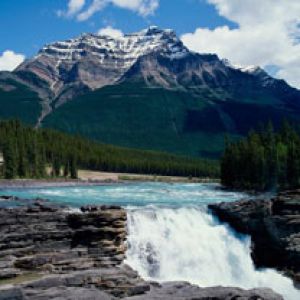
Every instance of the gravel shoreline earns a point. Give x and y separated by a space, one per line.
32 183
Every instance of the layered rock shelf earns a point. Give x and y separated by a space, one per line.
41 237
274 226
52 252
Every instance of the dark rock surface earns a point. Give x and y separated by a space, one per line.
50 252
274 226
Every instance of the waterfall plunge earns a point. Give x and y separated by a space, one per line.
170 244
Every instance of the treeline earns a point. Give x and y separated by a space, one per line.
31 153
264 160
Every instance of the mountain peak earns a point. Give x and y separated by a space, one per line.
92 61
155 30
106 59
131 45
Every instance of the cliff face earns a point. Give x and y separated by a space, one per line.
274 226
50 252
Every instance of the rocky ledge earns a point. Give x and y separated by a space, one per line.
274 226
51 252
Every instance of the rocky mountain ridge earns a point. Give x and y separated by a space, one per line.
92 61
66 69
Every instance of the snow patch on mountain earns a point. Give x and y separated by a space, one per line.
127 48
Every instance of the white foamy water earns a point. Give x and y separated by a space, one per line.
167 244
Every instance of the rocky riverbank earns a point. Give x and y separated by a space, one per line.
52 252
274 226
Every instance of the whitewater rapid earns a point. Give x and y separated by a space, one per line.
188 244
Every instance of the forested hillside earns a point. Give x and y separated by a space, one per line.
264 160
18 101
28 151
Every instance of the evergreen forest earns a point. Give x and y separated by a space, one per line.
264 160
39 153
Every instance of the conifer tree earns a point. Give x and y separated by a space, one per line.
10 159
73 167
66 169
56 166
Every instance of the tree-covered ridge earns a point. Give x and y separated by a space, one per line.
264 160
28 152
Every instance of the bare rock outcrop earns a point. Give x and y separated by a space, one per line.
47 238
274 226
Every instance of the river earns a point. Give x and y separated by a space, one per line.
173 236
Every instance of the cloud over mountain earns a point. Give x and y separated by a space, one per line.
267 34
110 31
9 60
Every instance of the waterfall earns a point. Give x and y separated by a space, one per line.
188 244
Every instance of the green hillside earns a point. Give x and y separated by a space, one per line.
18 102
133 115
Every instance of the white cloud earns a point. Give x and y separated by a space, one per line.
268 34
10 60
110 31
96 6
143 7
75 7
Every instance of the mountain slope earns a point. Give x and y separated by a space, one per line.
18 101
133 114
147 90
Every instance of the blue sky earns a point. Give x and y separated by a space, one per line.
247 32
30 24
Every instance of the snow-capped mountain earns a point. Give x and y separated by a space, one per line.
94 60
70 68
